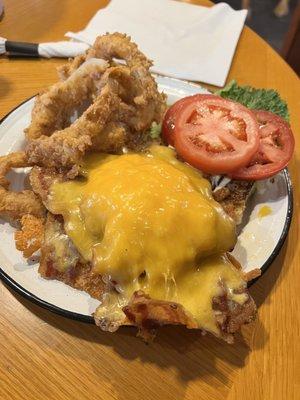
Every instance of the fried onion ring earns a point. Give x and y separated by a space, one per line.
108 47
53 109
65 148
128 102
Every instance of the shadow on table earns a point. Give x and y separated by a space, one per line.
192 355
187 352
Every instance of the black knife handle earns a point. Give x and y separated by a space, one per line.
22 48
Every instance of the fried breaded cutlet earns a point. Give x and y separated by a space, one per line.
143 312
147 314
234 197
121 102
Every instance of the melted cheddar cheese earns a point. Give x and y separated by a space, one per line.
264 211
148 221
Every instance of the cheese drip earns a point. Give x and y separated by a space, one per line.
148 221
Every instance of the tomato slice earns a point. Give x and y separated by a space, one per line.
168 125
215 135
275 150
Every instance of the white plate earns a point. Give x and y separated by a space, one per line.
258 244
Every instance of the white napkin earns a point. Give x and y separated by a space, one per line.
185 41
61 49
51 49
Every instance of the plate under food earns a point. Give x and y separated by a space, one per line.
265 224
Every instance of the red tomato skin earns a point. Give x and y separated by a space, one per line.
216 164
168 125
258 171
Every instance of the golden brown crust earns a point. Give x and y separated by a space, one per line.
247 276
128 100
41 179
53 108
253 274
64 263
233 198
79 276
66 147
13 205
30 238
57 252
231 315
108 47
12 160
148 314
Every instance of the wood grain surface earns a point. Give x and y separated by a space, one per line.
45 356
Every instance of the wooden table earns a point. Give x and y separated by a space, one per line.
45 356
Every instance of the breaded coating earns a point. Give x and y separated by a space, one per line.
253 274
30 238
233 198
128 102
148 314
13 205
41 179
60 260
12 160
57 252
65 148
54 107
116 45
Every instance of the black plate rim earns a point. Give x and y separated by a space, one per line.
89 319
